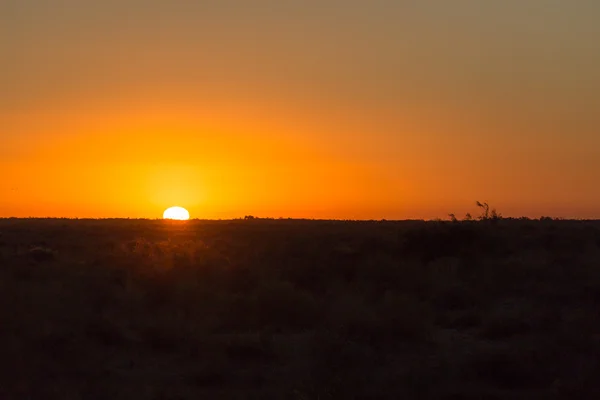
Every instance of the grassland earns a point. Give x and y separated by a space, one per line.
135 309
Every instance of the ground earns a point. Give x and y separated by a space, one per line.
136 309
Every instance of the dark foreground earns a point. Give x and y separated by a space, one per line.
299 310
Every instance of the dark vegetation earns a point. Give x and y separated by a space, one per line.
128 309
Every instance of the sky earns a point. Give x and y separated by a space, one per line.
310 109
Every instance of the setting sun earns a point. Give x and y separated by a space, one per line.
177 213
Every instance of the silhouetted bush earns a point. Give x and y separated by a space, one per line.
42 254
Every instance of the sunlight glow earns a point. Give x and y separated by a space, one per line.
177 213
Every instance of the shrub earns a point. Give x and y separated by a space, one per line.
42 254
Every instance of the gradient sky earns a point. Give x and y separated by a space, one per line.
320 109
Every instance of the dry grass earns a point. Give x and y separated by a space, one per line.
299 309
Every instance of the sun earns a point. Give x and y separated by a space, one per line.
178 213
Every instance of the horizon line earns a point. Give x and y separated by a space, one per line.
522 218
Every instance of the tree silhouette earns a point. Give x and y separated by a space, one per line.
486 213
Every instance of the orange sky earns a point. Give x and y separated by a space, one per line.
318 110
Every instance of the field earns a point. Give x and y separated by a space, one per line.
289 309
